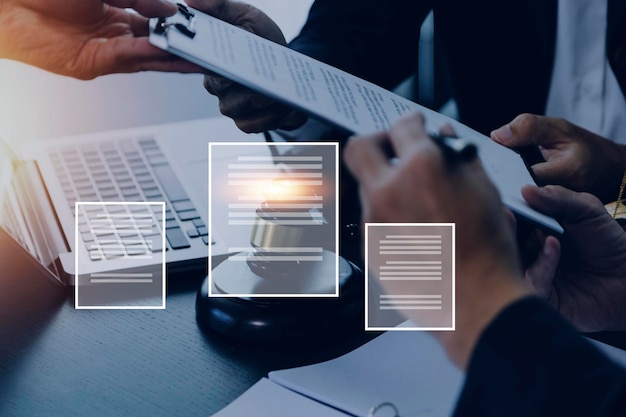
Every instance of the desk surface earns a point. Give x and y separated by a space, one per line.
58 361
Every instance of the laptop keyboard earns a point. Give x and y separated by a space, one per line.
127 171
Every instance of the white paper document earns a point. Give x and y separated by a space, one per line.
407 369
325 92
267 399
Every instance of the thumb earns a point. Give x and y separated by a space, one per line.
525 130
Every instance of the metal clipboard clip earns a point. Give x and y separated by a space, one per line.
184 21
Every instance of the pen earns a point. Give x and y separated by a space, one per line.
455 149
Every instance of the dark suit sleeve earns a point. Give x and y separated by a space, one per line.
530 362
372 39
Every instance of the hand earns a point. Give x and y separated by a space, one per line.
574 157
85 38
251 111
420 187
588 286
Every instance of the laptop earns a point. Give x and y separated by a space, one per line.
41 184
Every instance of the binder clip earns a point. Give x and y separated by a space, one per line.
184 22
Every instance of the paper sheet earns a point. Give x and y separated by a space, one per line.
408 369
267 399
332 95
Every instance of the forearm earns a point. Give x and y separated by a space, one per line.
529 361
363 36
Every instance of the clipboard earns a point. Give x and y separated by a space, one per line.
326 92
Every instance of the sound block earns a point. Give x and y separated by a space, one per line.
261 319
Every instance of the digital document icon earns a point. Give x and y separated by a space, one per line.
409 274
122 263
282 197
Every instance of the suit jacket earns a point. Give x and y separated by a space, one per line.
499 57
498 54
530 362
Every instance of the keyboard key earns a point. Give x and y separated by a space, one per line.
102 233
188 215
126 183
95 255
131 195
116 209
146 183
113 197
205 240
129 149
82 183
183 205
143 175
153 152
157 160
154 196
107 189
172 187
147 142
121 176
192 233
148 230
198 223
88 237
88 196
84 188
135 250
170 224
176 238
140 211
150 190
203 231
105 185
155 243
112 251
